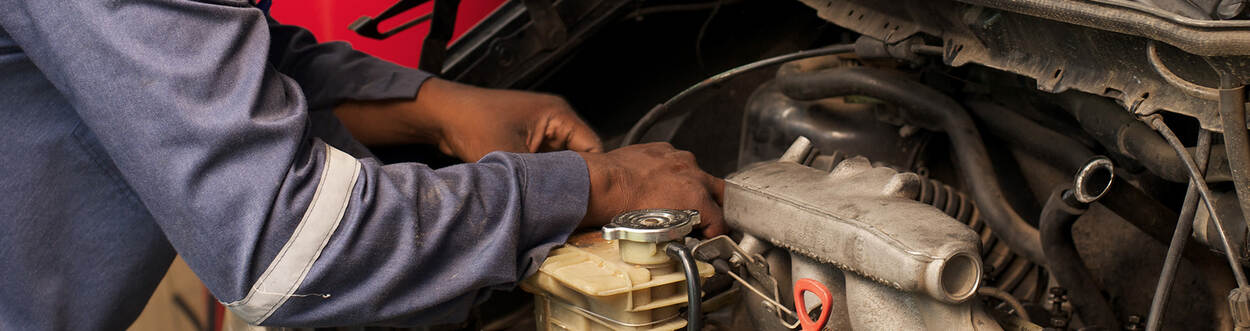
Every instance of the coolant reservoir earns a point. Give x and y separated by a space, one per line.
628 283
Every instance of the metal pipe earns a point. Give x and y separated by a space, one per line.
635 133
1156 122
1060 212
1184 226
1093 180
1236 139
933 110
694 295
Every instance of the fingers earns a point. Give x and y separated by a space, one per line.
585 140
571 134
716 187
657 175
712 218
714 198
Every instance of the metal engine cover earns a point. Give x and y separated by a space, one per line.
859 218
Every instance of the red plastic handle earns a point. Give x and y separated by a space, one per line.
826 302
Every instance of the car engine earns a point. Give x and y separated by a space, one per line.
971 165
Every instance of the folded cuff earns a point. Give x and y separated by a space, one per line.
556 192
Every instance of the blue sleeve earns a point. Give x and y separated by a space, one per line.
332 72
283 228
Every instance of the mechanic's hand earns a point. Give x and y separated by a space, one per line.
469 122
478 121
652 176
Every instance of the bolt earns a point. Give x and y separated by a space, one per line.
1134 323
1058 317
1059 322
990 20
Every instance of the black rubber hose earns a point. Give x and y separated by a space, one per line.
1058 215
1129 202
655 114
1137 207
1236 139
694 295
1119 131
928 108
1057 149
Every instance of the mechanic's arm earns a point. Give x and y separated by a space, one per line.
284 228
375 100
331 73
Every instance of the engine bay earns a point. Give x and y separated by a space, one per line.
973 165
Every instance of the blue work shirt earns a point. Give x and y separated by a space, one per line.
136 129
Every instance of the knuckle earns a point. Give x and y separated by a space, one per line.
553 99
686 156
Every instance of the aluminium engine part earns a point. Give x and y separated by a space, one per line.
839 128
923 106
1004 269
863 304
859 218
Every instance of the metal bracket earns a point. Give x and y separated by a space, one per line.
434 48
368 26
550 27
721 247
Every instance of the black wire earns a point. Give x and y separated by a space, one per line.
640 13
694 295
698 40
652 116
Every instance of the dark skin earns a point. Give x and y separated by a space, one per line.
469 122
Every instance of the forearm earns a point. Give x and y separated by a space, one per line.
419 120
386 122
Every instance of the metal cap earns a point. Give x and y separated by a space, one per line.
651 225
